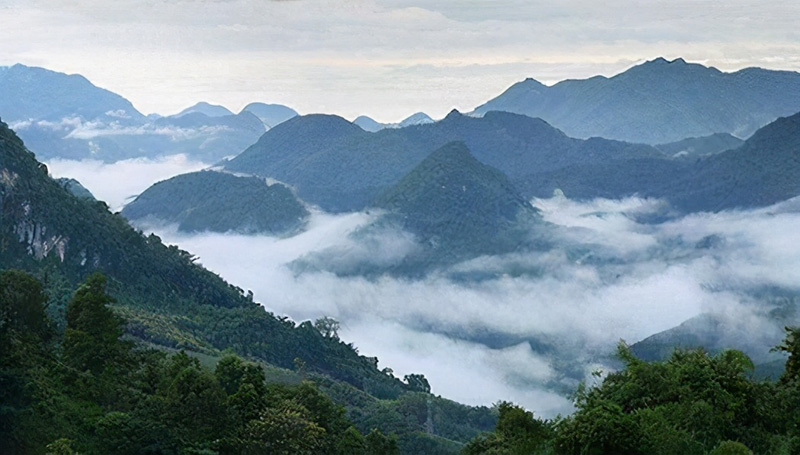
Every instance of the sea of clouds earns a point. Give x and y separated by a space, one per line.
537 322
525 326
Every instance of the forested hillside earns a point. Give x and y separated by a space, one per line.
169 302
691 403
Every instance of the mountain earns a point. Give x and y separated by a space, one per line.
340 167
270 114
31 93
420 118
457 206
219 202
762 171
657 102
368 124
698 147
718 332
65 116
164 295
447 209
171 303
211 110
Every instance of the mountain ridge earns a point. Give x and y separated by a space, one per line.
657 101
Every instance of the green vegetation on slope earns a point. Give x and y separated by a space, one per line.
166 298
170 303
219 202
99 395
458 207
691 403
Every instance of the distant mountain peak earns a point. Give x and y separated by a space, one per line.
657 101
211 110
454 114
457 205
368 124
270 115
419 118
532 82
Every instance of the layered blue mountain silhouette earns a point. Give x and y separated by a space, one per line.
340 167
368 124
66 116
657 102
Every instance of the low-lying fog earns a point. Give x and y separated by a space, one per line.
612 275
117 183
610 278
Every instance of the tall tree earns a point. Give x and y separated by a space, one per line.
92 339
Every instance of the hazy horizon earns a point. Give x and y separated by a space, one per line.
385 59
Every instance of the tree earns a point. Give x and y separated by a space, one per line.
351 443
91 341
417 383
23 330
328 327
517 432
731 448
791 345
380 444
286 430
22 304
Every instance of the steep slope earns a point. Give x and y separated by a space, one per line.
763 171
170 302
458 206
698 147
270 114
211 110
166 298
449 208
339 166
657 102
75 187
219 202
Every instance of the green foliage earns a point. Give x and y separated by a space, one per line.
686 404
165 298
91 341
517 432
791 345
61 446
220 202
417 382
378 443
351 443
731 448
83 401
693 403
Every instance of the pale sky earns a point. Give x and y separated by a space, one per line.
383 58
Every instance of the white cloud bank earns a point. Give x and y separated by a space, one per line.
609 277
116 183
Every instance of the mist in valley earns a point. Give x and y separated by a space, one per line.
526 326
